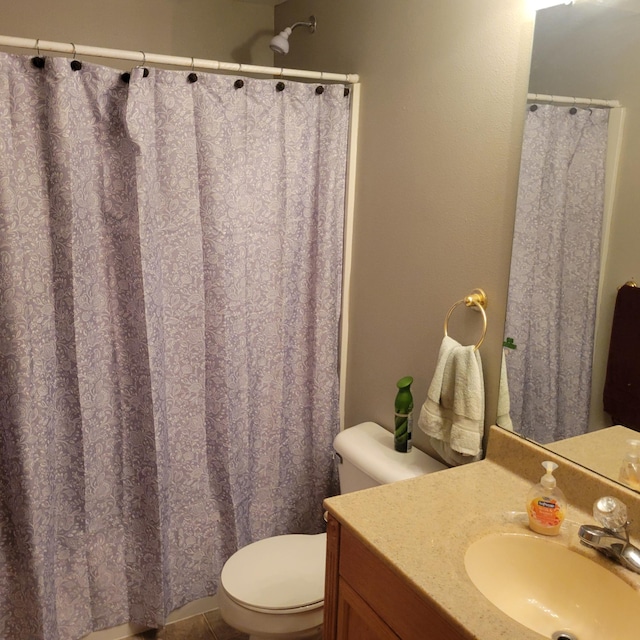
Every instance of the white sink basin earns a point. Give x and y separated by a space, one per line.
549 588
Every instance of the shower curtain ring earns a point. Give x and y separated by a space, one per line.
144 58
38 47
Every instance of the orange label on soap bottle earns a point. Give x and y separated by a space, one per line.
546 511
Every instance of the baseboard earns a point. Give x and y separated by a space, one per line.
197 607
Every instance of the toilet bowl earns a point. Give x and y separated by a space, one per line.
274 588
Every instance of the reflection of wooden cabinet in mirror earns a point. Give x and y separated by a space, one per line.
367 600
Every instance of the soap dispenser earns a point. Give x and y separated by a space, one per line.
546 504
630 469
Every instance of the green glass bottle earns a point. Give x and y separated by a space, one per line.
404 415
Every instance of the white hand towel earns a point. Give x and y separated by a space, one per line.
433 416
453 413
504 403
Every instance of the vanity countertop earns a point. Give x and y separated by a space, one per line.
602 451
422 527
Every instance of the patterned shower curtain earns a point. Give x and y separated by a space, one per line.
170 270
555 266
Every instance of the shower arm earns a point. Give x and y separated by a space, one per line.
311 23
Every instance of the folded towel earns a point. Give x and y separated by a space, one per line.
504 403
453 413
622 385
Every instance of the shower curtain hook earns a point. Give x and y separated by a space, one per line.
76 65
143 66
37 60
574 108
193 76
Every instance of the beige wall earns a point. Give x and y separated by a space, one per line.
444 85
217 29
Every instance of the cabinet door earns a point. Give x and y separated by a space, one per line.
357 620
391 597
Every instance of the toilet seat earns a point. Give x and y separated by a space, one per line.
282 574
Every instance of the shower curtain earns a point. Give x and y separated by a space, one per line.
170 274
555 267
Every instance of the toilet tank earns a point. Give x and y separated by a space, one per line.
367 458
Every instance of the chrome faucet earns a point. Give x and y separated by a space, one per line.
611 539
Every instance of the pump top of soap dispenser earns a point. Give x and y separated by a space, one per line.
633 453
630 469
548 480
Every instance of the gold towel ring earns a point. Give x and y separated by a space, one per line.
477 299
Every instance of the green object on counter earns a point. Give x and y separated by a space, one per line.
403 415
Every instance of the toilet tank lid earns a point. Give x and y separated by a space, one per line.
369 447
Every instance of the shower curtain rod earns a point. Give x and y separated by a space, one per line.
157 58
583 102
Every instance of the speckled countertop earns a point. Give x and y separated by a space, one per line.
602 451
423 526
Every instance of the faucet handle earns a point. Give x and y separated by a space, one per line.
611 513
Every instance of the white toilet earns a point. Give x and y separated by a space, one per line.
274 588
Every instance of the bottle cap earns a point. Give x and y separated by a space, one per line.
404 382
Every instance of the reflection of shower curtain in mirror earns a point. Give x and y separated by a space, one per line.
555 267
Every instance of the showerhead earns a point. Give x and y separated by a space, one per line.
280 43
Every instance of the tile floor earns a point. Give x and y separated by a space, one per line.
208 626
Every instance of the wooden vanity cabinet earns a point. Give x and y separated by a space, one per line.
366 600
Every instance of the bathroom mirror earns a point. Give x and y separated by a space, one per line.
591 49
